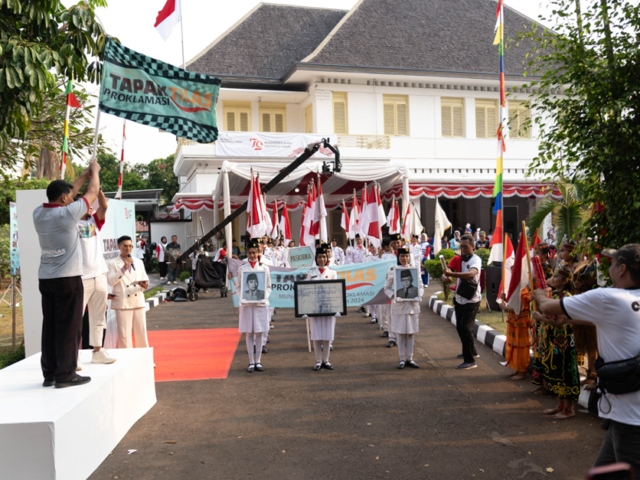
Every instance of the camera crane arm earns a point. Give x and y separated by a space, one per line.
285 172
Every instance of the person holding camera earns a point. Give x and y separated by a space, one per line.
467 300
129 280
615 312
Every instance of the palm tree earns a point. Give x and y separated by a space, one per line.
568 211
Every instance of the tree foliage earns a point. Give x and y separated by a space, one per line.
159 174
591 132
36 38
8 194
110 174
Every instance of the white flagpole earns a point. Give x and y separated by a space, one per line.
95 137
184 65
119 192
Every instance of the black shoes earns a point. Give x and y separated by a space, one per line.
317 366
259 367
74 382
475 355
412 364
385 334
367 315
327 365
374 320
391 343
361 309
401 365
49 382
264 349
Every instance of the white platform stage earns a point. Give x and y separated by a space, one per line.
66 433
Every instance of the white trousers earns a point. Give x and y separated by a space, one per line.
133 319
95 295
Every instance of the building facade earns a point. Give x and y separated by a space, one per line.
411 84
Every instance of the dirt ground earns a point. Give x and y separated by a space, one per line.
364 420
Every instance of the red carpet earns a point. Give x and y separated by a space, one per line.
193 354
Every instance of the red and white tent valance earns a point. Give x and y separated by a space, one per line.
472 190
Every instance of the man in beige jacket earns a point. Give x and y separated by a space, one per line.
129 281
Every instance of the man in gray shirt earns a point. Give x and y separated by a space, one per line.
60 276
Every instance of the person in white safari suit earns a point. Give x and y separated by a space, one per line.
129 281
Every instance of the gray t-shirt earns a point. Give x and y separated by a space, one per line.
56 225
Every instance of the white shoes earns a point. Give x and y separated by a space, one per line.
102 356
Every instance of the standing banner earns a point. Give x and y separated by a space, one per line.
14 251
119 220
148 91
365 283
260 144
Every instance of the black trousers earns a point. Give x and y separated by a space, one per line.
465 320
621 444
61 326
162 269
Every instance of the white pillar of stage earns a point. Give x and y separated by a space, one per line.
227 211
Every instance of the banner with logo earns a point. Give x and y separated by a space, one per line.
365 283
260 144
300 257
14 251
120 220
148 91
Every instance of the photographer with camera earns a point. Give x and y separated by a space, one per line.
616 314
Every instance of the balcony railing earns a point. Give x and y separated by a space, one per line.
185 141
369 142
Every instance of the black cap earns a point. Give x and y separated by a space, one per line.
357 235
321 251
254 243
404 251
628 255
386 241
395 237
252 276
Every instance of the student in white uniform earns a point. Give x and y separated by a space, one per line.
264 260
385 310
337 253
405 316
322 328
416 251
356 253
254 317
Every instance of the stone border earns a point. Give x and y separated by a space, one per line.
155 300
488 336
484 334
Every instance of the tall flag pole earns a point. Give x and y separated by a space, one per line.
499 238
124 137
72 102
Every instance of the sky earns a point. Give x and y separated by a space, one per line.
132 22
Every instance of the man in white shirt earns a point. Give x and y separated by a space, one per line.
337 252
94 278
356 253
60 276
139 246
466 308
616 314
129 281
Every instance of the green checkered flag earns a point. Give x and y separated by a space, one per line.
148 91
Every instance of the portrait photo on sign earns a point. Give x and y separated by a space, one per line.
320 298
406 284
253 287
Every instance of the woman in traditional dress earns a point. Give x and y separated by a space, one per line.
254 317
518 335
322 328
560 367
405 316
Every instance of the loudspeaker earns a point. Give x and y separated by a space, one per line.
510 219
493 277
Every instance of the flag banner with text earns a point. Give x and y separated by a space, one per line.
148 91
365 283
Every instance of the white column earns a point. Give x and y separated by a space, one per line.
405 195
227 211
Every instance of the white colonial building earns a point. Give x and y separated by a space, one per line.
407 89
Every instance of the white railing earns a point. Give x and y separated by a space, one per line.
369 142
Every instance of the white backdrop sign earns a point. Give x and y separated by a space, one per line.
120 220
260 144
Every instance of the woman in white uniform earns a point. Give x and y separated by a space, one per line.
322 328
405 316
254 317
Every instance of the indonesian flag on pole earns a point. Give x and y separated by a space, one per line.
407 227
519 276
268 226
311 220
355 218
285 226
345 223
382 218
323 215
167 18
255 223
393 220
373 223
496 240
507 270
442 224
363 221
416 224
302 235
535 241
274 231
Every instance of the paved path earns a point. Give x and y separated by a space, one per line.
364 420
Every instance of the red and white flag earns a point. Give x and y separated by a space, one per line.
507 269
302 234
323 215
274 230
373 223
285 226
535 241
407 226
519 276
124 137
168 18
355 218
382 218
255 223
345 222
496 241
310 223
393 220
363 223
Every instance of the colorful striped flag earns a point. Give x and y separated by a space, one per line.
72 102
124 137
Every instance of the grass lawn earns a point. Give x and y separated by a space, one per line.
5 326
491 319
152 292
